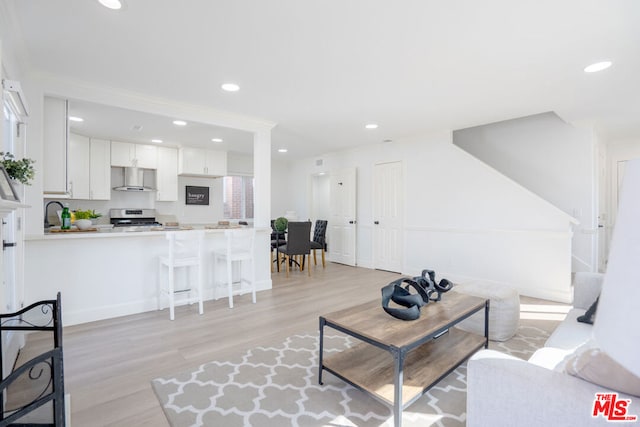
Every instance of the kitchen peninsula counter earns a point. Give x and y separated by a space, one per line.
125 232
103 275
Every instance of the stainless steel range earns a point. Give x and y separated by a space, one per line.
133 218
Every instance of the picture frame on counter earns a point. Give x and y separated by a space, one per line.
195 195
7 191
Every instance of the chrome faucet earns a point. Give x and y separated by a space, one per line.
46 210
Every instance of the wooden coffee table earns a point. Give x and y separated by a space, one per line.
398 361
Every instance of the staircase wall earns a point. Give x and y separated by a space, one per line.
551 158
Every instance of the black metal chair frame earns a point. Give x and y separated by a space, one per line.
277 239
34 368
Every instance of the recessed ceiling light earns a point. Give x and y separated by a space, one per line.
371 126
76 119
157 141
598 66
230 87
111 4
179 123
282 150
216 139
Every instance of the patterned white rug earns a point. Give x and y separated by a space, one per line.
278 386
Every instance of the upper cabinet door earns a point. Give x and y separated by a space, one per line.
122 154
79 179
100 169
89 168
125 154
146 156
191 161
201 162
216 163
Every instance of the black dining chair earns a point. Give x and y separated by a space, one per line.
319 240
298 243
275 235
277 239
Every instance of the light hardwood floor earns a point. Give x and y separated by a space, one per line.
109 364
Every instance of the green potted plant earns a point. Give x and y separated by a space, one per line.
19 170
281 224
84 218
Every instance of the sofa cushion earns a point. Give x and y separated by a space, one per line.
570 334
550 358
594 365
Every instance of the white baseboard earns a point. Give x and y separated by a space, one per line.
67 409
134 307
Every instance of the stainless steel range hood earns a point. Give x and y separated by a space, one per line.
133 181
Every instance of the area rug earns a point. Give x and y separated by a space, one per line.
278 386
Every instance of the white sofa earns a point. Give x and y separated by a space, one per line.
506 391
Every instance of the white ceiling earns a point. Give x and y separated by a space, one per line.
321 70
121 124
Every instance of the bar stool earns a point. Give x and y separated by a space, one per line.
239 247
185 250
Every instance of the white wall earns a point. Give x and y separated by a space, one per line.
191 214
283 195
320 190
239 164
551 158
462 218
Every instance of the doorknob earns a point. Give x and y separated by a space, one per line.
6 244
352 222
376 222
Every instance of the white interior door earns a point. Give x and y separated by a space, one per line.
603 215
342 223
13 141
387 217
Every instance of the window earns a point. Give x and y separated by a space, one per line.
238 197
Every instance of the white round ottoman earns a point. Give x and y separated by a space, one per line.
504 309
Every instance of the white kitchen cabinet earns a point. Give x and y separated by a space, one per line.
79 176
89 168
55 146
202 162
99 169
167 175
126 154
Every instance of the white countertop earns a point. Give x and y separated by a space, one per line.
123 232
